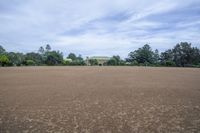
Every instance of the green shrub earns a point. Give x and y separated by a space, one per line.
4 60
30 63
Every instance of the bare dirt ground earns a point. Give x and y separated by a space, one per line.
99 100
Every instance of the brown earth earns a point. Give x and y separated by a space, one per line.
99 100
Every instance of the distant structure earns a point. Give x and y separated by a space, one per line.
68 60
102 60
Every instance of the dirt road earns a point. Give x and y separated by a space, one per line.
99 99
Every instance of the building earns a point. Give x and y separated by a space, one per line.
101 60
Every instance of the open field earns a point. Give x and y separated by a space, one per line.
99 99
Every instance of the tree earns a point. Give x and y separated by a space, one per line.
35 57
156 57
167 58
41 50
79 57
76 61
72 56
16 59
2 50
119 61
142 55
112 62
67 61
79 60
182 54
30 63
4 60
195 56
93 62
48 48
167 55
115 60
54 58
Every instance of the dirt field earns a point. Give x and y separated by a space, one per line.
99 99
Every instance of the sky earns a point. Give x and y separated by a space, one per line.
98 27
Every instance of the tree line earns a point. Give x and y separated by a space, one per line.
181 55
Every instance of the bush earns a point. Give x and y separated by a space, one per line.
4 60
93 62
170 63
30 63
134 63
112 62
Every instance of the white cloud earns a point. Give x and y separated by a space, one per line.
95 26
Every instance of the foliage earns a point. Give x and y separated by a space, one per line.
156 57
115 61
169 63
30 63
4 60
184 54
16 59
181 55
166 56
93 62
67 62
35 57
48 48
41 50
75 60
2 50
142 55
72 56
112 62
53 58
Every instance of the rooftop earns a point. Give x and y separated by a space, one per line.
100 57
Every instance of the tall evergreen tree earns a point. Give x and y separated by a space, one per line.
48 48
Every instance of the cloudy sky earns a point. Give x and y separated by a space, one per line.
98 27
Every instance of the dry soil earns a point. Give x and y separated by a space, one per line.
99 100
